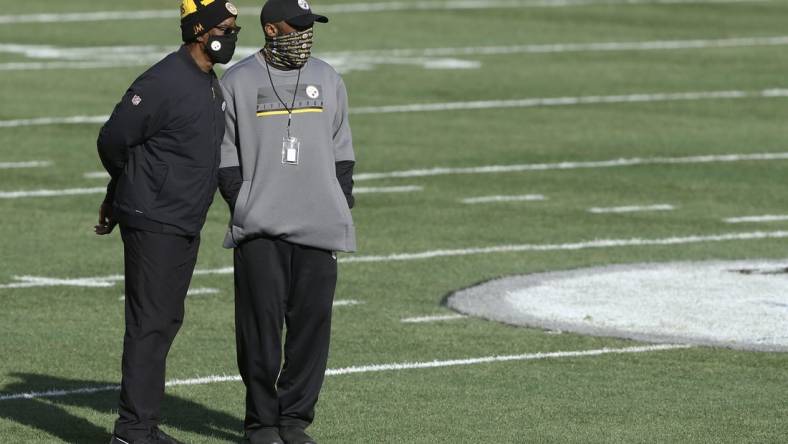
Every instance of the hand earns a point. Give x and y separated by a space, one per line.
106 222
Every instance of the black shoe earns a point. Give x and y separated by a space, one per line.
295 435
266 435
155 436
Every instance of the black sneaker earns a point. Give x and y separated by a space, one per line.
155 436
295 435
266 435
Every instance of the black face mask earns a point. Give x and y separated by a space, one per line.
220 48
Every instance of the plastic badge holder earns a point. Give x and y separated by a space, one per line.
290 150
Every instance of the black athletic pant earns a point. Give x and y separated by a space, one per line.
158 270
280 284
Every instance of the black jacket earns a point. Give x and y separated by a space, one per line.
161 146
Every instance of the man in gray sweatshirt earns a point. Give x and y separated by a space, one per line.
286 173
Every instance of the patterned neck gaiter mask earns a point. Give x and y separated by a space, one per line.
289 51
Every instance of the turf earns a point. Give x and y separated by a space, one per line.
70 337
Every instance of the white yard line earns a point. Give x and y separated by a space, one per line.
108 281
611 163
481 104
764 218
37 281
400 189
100 190
51 193
369 369
571 101
346 302
200 291
551 48
114 53
506 358
53 121
123 56
205 271
96 175
28 164
632 208
424 319
95 16
493 199
42 66
601 243
208 291
100 16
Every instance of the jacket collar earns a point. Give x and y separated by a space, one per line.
185 55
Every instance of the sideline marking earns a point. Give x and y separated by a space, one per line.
632 208
765 218
28 164
633 161
481 104
422 319
124 56
51 193
108 281
74 17
491 199
369 369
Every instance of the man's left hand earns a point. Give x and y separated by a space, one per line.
106 222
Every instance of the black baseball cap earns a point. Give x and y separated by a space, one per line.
296 13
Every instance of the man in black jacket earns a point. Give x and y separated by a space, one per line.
161 147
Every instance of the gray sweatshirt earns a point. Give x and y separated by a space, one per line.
301 203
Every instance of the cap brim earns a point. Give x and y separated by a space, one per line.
307 20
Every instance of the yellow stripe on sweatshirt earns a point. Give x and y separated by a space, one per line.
284 112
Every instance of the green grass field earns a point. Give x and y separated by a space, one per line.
69 337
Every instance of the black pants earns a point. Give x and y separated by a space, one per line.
158 270
279 284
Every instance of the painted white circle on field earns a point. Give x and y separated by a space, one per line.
312 92
742 304
216 45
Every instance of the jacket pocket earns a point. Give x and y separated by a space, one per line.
241 204
184 196
140 183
